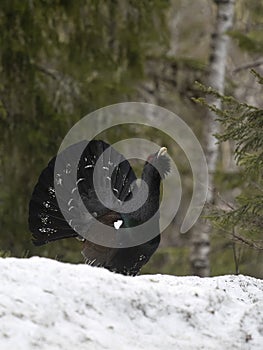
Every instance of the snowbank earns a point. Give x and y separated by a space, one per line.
49 305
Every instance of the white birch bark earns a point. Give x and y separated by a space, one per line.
200 243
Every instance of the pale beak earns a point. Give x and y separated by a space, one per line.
162 151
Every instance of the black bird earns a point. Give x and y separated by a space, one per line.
48 223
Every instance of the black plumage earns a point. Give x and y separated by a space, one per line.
48 223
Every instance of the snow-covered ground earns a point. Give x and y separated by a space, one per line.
49 305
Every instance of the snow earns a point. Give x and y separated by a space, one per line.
45 304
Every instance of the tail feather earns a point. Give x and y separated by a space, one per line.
46 219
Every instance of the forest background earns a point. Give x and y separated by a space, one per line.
61 59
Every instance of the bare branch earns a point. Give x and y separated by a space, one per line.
248 65
225 202
236 260
50 72
246 241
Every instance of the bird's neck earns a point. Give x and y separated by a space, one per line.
151 204
153 182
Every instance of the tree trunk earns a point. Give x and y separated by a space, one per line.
200 243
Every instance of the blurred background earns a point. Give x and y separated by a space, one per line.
62 59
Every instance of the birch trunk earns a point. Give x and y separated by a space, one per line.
200 243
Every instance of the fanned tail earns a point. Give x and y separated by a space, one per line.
47 220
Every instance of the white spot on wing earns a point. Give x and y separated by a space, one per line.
117 224
58 180
69 202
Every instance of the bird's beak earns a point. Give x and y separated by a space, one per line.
162 151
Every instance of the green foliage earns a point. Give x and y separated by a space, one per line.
252 41
188 63
169 260
223 251
248 29
243 124
60 60
5 254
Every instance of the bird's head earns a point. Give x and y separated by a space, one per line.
158 163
